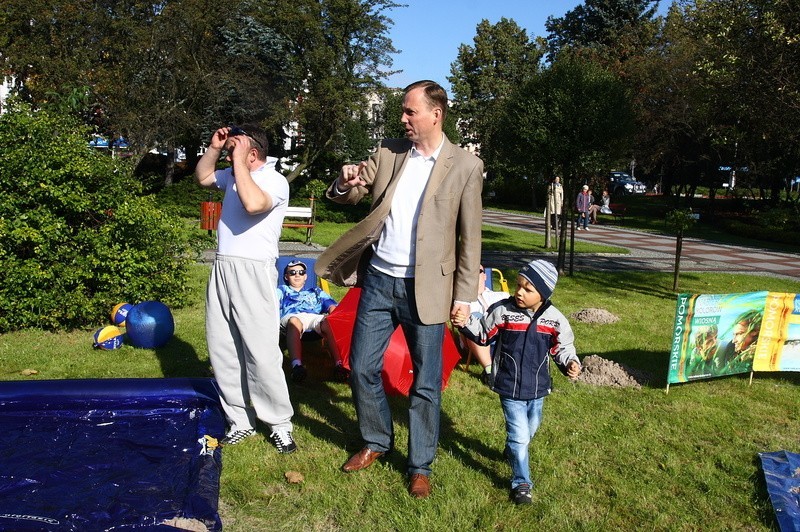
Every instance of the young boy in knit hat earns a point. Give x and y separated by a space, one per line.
528 328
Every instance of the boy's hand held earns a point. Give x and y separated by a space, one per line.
573 369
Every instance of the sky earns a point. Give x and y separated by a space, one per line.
429 32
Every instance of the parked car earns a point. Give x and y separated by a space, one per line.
621 183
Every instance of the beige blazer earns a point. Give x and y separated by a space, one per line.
448 250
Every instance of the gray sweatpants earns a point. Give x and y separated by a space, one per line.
242 333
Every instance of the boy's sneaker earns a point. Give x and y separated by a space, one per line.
299 373
235 436
521 494
341 373
282 440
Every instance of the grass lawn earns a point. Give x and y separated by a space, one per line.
604 458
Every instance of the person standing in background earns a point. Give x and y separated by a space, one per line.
555 199
582 204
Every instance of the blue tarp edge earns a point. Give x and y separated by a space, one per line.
782 475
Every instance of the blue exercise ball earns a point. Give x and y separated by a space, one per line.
149 324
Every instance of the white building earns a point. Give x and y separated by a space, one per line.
5 90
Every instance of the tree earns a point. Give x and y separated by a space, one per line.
486 73
167 74
209 66
572 118
614 29
675 111
720 89
618 34
750 58
679 220
342 47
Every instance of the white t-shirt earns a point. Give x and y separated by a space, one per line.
252 236
396 249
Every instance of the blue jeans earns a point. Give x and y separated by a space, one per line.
386 303
522 421
583 219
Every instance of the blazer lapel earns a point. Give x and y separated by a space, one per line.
440 170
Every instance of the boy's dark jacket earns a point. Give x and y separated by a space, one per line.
520 368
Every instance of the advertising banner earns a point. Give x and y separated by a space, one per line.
779 341
726 334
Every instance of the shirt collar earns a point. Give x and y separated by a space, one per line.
433 156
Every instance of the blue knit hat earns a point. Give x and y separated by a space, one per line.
542 275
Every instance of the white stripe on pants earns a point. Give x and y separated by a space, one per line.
242 333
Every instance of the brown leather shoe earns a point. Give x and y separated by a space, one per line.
361 460
420 486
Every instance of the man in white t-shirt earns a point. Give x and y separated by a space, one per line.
242 327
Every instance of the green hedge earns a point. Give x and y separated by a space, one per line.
75 236
750 229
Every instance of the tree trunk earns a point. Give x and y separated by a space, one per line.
191 156
561 236
572 249
547 225
678 248
169 171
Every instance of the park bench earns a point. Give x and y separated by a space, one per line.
617 211
304 217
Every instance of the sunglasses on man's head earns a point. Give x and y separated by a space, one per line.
295 272
236 131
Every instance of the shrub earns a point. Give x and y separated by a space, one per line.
326 210
75 237
751 228
782 218
184 197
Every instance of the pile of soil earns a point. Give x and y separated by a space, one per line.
598 371
594 315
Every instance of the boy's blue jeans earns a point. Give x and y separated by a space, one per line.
522 421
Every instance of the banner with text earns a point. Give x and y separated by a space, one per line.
726 334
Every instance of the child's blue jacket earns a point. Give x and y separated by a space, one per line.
524 340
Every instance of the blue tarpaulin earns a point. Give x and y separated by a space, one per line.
782 473
115 454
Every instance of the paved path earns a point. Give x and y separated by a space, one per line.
648 252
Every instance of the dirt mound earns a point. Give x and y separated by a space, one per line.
598 371
594 315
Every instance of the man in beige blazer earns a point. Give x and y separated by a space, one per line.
416 257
